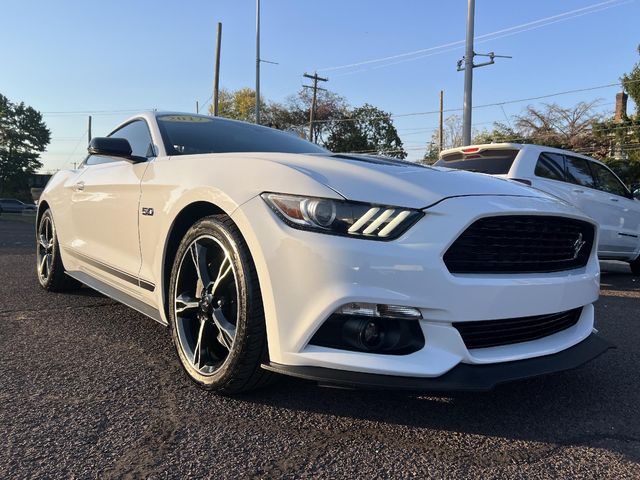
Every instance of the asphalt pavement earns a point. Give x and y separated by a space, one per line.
92 389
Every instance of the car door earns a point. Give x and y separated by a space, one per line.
12 206
616 201
586 196
105 206
550 176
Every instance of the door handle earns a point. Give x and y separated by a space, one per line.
613 199
578 190
79 186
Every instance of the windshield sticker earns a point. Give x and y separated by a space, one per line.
185 118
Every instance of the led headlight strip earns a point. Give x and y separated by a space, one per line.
342 217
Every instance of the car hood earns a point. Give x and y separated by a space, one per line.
393 182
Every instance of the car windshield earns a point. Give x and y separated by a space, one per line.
494 162
194 134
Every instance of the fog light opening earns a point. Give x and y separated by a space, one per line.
372 328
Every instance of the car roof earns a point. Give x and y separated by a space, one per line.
529 147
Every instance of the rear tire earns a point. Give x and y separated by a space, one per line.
49 266
635 266
215 309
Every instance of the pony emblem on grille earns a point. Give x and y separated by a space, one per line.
577 246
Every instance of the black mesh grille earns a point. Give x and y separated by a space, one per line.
521 244
493 333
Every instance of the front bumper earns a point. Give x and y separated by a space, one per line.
305 276
464 377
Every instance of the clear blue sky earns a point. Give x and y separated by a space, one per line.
61 56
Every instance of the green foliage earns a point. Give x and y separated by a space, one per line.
238 105
23 137
631 84
370 131
365 129
294 114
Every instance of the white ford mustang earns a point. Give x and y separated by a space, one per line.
266 253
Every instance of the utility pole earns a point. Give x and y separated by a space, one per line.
216 77
468 75
441 129
89 130
258 62
312 110
468 72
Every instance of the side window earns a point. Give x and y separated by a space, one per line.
607 181
550 165
578 172
139 137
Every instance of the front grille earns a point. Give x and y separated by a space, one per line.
493 333
521 244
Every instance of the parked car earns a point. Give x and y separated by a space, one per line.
265 253
13 205
580 180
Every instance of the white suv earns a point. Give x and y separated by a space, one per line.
586 183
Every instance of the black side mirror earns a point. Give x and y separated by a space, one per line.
113 147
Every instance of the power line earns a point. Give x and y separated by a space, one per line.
486 105
498 33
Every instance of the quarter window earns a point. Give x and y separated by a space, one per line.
550 165
607 181
578 172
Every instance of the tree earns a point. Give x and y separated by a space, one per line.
294 114
238 105
365 129
556 126
452 138
23 137
631 84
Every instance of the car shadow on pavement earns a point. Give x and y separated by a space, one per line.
568 409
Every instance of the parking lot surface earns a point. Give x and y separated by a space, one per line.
90 388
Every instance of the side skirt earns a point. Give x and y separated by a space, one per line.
117 295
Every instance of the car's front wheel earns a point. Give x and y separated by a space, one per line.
216 315
49 266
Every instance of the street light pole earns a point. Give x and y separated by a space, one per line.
258 62
468 75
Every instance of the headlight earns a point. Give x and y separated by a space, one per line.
342 217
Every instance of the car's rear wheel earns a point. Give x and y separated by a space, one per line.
216 316
635 266
49 264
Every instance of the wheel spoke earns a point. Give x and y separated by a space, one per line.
226 266
185 303
197 351
227 330
199 257
43 262
44 243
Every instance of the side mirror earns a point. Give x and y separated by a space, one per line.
113 147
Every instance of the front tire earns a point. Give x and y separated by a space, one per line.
215 310
49 266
